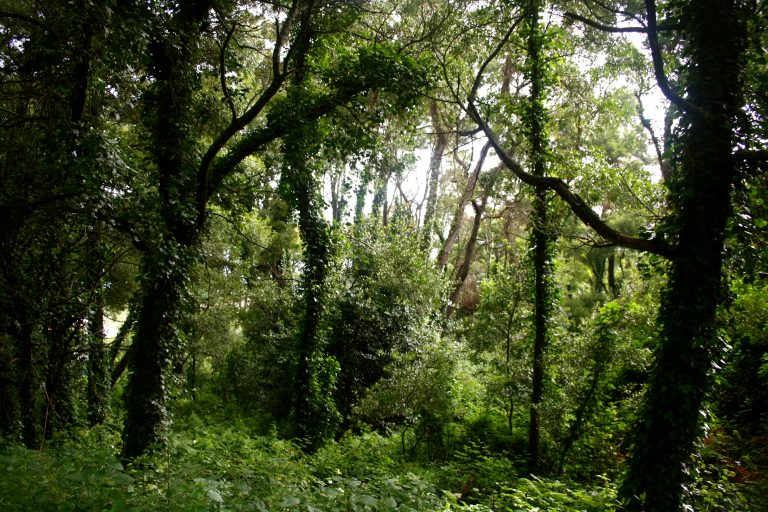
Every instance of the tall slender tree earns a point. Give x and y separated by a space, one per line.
541 235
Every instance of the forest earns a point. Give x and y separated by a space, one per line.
384 255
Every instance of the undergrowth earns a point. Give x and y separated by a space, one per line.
221 467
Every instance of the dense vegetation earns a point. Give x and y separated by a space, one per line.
384 255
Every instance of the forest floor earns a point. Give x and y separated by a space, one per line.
211 465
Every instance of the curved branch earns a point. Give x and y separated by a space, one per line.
279 74
573 200
254 140
652 31
658 63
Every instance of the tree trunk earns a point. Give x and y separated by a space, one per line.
670 418
313 407
360 194
165 266
98 372
458 216
541 239
28 386
379 205
119 365
441 142
338 195
462 272
314 232
99 384
154 341
612 286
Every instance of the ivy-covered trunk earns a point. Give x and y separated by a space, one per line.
541 240
28 384
163 275
99 385
313 407
671 417
167 258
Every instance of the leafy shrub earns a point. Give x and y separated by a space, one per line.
418 395
82 475
476 474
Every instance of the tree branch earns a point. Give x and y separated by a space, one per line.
576 203
490 57
662 27
223 72
256 139
649 128
658 63
279 73
652 30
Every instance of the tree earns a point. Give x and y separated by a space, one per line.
541 236
59 172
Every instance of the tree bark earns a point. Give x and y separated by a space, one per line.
462 272
458 216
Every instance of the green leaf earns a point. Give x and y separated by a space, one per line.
366 500
290 501
215 496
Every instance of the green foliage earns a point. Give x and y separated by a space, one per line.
384 296
106 109
255 370
80 475
418 392
211 467
478 473
496 335
534 495
743 378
